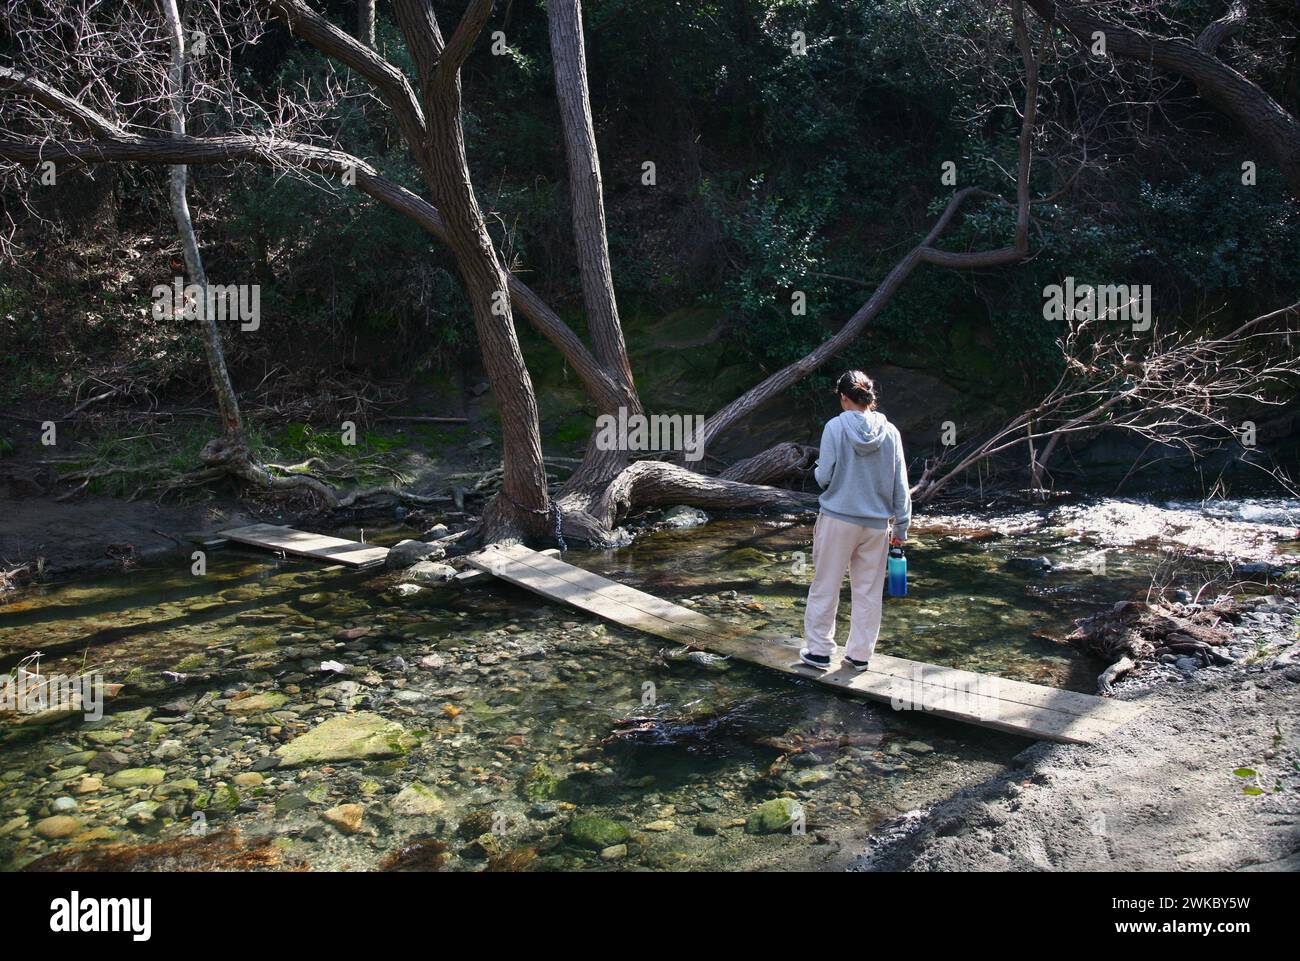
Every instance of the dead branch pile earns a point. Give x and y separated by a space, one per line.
1134 631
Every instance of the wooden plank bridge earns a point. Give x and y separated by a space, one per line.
1030 710
336 550
1021 708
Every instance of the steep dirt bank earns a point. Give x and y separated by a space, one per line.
1207 779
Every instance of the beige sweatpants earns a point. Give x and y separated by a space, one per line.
863 551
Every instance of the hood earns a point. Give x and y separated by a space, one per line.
866 430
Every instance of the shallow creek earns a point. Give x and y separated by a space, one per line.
509 731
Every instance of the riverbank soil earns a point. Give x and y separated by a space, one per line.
99 532
1208 779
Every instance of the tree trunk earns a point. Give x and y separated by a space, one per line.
227 403
366 22
580 497
569 58
522 508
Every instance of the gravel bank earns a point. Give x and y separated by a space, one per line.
1208 779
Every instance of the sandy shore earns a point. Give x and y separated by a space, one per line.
1171 791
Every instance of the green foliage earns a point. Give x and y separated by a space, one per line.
778 173
1219 235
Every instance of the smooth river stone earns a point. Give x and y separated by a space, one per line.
348 737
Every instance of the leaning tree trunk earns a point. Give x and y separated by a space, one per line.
228 454
1274 130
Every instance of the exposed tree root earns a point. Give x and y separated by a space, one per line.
222 456
775 464
589 517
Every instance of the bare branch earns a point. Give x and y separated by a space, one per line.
390 83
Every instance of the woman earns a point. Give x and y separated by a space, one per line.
864 480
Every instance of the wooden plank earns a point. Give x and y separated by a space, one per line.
1014 706
476 577
522 575
965 696
1068 702
642 601
276 537
1032 695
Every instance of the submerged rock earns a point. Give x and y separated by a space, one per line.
406 553
774 816
257 703
683 516
474 824
596 833
59 826
486 845
430 572
746 557
142 812
137 777
417 800
709 825
810 777
348 737
106 762
346 817
539 784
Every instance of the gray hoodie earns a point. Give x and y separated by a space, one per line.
863 473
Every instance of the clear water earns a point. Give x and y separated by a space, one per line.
520 727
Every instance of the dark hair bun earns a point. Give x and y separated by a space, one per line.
857 387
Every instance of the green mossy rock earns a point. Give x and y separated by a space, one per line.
746 557
539 783
181 786
349 737
258 703
121 720
417 800
596 833
773 816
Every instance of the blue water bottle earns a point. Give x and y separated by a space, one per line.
897 571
